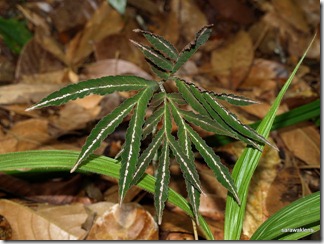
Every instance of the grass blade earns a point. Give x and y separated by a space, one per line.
304 212
246 165
63 160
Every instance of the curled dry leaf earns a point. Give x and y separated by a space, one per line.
27 224
126 222
232 62
5 229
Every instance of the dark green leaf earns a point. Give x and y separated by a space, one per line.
106 126
160 44
234 99
147 156
159 72
213 161
100 86
201 37
155 57
218 119
189 97
176 98
152 122
162 182
205 123
187 167
131 150
14 34
233 122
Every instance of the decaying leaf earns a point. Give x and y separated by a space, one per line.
303 142
27 224
126 222
232 62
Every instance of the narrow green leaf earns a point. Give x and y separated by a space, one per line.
176 98
100 86
205 123
199 95
147 156
131 150
162 182
201 37
62 160
160 44
184 141
233 122
106 126
213 161
152 122
188 169
246 165
189 97
300 213
155 57
157 99
158 71
234 99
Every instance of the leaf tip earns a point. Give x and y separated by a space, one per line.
30 108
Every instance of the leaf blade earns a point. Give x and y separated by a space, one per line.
131 150
100 86
159 43
201 37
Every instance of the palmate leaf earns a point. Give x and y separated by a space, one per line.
176 98
189 97
131 150
147 156
162 182
152 122
201 37
188 169
233 122
106 126
100 86
214 115
205 123
160 44
213 161
184 141
156 58
234 99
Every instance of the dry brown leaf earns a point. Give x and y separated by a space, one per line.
65 17
191 17
7 70
108 67
34 59
129 221
26 135
266 172
27 224
5 229
104 22
292 13
304 142
232 62
285 189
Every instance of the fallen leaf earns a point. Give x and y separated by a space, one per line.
104 22
5 229
265 174
128 221
285 189
304 142
108 67
27 224
231 63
